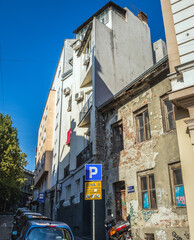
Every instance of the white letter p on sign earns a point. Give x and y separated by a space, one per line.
92 171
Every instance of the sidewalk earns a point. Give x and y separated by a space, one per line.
6 222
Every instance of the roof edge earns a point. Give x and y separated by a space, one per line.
97 13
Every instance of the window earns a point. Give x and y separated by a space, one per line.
117 130
68 192
66 171
177 185
168 114
148 190
143 125
149 236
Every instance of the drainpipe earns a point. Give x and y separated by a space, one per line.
59 150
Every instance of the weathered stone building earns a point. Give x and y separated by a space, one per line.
137 145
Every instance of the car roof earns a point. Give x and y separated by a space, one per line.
32 213
41 223
32 216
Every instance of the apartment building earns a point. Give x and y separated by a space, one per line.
44 150
26 190
51 135
179 27
111 49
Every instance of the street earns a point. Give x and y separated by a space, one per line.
6 222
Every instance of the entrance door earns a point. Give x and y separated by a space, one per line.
120 199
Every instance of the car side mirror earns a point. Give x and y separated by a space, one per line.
14 234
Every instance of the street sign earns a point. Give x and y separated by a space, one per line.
93 172
41 197
131 189
93 190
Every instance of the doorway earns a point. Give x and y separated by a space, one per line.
120 201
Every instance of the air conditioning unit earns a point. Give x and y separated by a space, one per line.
67 91
66 203
59 187
86 59
79 96
77 45
76 199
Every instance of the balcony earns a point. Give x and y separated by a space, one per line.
84 116
43 167
86 74
84 155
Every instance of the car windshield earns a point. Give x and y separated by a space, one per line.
49 233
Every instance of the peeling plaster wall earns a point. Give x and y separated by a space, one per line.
156 153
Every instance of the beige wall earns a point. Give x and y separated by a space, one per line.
178 27
45 143
171 40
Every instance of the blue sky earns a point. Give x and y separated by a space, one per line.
31 38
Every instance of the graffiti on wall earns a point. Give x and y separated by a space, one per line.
133 215
180 196
146 215
186 234
109 202
176 236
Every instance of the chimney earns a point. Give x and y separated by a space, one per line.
143 17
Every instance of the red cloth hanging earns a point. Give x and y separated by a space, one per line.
68 137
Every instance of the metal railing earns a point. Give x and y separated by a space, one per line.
86 108
84 155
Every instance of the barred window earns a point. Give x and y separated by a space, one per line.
149 236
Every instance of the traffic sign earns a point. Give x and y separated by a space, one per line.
41 197
93 190
93 172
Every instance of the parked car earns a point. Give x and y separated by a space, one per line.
18 213
19 223
45 230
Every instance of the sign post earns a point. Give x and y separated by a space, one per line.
93 187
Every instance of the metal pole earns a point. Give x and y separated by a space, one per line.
93 219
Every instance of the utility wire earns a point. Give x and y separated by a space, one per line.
134 7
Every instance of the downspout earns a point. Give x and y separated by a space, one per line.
59 150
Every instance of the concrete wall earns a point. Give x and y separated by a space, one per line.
156 154
121 54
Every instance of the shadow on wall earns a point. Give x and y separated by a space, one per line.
102 91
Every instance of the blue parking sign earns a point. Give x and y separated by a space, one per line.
93 172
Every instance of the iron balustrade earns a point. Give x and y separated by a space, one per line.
86 108
84 155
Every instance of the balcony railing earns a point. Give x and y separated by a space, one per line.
84 155
86 108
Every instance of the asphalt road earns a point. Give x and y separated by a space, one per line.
6 222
